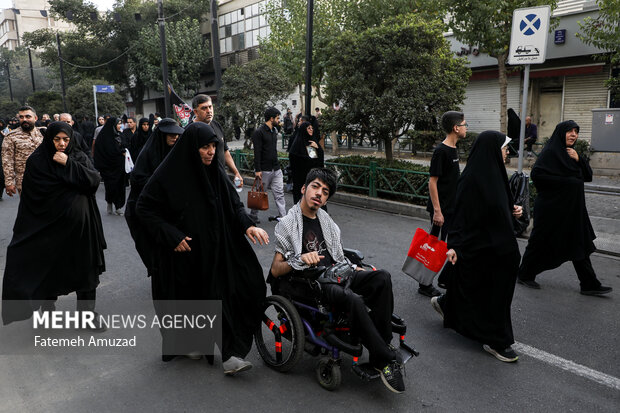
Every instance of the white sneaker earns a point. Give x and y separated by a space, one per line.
235 365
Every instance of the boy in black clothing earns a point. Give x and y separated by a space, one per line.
444 173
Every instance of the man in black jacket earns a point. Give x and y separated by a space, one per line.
266 165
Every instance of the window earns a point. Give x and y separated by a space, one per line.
221 20
234 29
227 19
222 46
228 30
255 9
233 17
262 20
248 12
222 32
229 47
248 24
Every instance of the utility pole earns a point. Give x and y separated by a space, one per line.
31 70
8 76
164 56
308 99
62 74
215 46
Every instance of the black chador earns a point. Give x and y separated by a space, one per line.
300 161
151 155
57 245
477 304
186 198
139 139
110 161
562 229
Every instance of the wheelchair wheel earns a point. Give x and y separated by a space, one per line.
328 373
280 338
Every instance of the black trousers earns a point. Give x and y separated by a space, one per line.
372 289
587 277
442 233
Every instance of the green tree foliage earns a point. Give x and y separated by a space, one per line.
19 68
249 89
187 51
8 109
94 43
487 24
604 32
45 102
287 42
80 100
391 77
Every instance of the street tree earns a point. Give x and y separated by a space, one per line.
103 48
388 79
80 100
287 20
247 90
603 32
487 25
49 102
19 69
8 109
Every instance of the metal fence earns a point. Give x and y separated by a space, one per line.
372 180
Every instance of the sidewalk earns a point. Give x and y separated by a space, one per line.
602 198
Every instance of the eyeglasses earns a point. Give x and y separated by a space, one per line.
464 124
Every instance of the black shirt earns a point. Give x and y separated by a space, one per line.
265 149
445 165
313 240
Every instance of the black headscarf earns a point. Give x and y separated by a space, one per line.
108 152
301 140
58 222
483 217
559 180
139 139
184 197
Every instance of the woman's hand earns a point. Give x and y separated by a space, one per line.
573 154
451 254
314 145
61 158
183 246
257 234
517 211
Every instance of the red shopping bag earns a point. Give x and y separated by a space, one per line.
425 258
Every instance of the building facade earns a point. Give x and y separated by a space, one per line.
567 86
26 16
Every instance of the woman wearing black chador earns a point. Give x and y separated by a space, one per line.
562 230
484 250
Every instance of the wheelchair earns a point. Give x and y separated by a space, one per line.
295 321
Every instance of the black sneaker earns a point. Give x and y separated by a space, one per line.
429 291
529 283
506 355
392 377
600 290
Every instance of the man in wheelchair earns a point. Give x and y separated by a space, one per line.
307 237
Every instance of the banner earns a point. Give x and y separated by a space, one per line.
182 109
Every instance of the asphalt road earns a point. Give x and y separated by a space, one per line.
568 344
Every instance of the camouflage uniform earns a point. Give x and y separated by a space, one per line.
16 148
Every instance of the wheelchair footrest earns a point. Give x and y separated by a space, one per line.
365 371
406 352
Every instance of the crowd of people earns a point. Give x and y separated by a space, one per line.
192 232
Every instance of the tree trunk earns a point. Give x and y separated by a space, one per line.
334 138
302 99
137 95
389 152
503 86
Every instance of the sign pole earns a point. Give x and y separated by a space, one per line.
526 86
95 96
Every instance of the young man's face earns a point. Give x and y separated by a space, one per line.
315 194
131 123
461 129
204 112
27 119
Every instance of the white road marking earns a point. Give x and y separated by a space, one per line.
578 369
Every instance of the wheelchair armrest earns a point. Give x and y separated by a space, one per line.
355 256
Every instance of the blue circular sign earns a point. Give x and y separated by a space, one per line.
530 24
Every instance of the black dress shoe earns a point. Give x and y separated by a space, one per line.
600 290
429 291
167 357
529 283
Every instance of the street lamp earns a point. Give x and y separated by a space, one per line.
309 58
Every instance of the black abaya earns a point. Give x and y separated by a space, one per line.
57 245
300 161
139 139
110 162
478 300
557 236
186 198
151 155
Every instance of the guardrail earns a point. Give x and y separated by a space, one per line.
372 180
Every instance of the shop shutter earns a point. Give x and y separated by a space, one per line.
482 106
581 95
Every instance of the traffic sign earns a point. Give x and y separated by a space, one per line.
528 39
104 88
